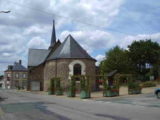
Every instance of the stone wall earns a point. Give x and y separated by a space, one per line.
49 72
8 79
60 68
14 81
36 74
20 80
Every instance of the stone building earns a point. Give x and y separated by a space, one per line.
59 60
16 76
2 84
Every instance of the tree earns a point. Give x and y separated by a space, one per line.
144 52
116 59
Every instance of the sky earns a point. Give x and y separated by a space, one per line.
97 25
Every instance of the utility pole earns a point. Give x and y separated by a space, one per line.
5 11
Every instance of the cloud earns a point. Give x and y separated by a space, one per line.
37 42
91 40
99 58
36 29
30 22
6 54
127 40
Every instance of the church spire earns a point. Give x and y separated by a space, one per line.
53 37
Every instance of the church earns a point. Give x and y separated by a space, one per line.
61 60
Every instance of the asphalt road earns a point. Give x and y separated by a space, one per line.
28 106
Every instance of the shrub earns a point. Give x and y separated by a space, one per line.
134 85
85 87
72 87
51 87
85 83
149 84
58 88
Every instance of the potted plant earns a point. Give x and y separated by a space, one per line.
110 91
58 89
134 88
115 90
49 91
85 88
72 88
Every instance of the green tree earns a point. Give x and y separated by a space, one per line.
116 59
144 52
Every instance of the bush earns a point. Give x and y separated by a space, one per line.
134 88
51 89
58 88
149 84
85 87
72 87
110 90
134 85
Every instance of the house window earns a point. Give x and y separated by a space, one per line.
8 75
17 75
24 75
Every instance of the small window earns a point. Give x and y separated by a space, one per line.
17 75
24 75
8 75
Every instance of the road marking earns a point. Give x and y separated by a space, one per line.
94 101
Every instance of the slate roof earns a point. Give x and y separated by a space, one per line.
53 37
69 49
37 56
112 73
18 67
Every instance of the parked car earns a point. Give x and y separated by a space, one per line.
157 92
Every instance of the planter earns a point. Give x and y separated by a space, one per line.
85 94
110 93
71 93
134 91
50 93
59 92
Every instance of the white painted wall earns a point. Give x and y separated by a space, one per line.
71 67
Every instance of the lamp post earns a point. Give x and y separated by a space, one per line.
5 11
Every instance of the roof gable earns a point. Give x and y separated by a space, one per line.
69 49
37 56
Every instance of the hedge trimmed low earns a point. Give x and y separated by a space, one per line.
149 84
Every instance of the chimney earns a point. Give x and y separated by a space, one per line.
20 62
10 67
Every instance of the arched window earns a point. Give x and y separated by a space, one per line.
77 69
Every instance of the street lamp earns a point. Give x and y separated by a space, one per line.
5 11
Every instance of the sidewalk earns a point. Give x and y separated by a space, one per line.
99 94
